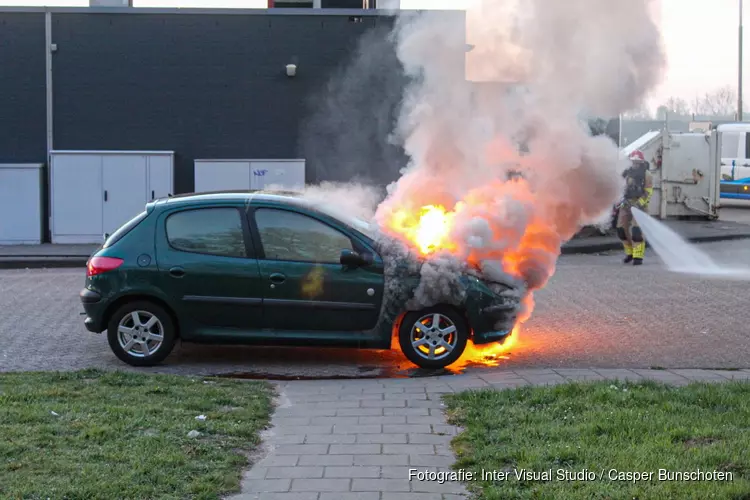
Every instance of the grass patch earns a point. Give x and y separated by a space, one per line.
105 435
604 426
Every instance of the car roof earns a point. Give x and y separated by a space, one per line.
242 196
288 198
734 127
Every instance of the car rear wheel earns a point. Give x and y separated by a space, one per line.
433 338
141 333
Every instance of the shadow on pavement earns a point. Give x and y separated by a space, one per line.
302 363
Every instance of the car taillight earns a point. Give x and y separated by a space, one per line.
99 265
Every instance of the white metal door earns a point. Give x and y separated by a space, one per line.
20 204
686 180
286 175
160 169
76 198
217 175
124 183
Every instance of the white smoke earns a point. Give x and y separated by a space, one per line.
508 156
347 135
573 58
344 200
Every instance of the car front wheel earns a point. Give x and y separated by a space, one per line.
141 333
433 338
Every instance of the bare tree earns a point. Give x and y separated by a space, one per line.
721 103
675 107
697 105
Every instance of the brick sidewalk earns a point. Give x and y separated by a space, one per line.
357 439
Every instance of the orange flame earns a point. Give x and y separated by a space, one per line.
529 255
428 229
489 354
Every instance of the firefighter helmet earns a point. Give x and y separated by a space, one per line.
637 155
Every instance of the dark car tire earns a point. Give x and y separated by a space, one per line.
167 331
413 353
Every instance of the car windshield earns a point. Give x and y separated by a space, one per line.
361 225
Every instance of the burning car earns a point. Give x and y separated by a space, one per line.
273 269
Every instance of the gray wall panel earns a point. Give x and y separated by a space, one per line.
23 114
205 86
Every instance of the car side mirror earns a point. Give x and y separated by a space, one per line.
350 258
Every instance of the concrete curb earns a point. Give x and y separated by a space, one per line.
42 262
79 261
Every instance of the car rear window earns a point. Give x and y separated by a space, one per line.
125 229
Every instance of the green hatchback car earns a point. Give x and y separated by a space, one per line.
270 269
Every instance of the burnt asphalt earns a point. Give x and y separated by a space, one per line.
594 313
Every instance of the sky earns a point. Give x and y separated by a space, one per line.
700 37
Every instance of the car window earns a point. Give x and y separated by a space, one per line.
213 231
730 143
296 237
125 229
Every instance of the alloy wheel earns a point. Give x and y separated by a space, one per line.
140 334
434 336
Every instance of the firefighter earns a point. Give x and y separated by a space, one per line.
638 191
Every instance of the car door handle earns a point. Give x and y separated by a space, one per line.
277 278
177 272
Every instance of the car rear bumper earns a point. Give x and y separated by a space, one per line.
92 325
94 308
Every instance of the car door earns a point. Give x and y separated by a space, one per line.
208 267
732 144
305 285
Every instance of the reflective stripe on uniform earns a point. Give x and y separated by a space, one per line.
639 250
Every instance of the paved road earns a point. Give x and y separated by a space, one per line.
595 312
738 212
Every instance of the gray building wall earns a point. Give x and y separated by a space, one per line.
202 85
205 84
23 111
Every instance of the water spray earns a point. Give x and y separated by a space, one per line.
679 255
